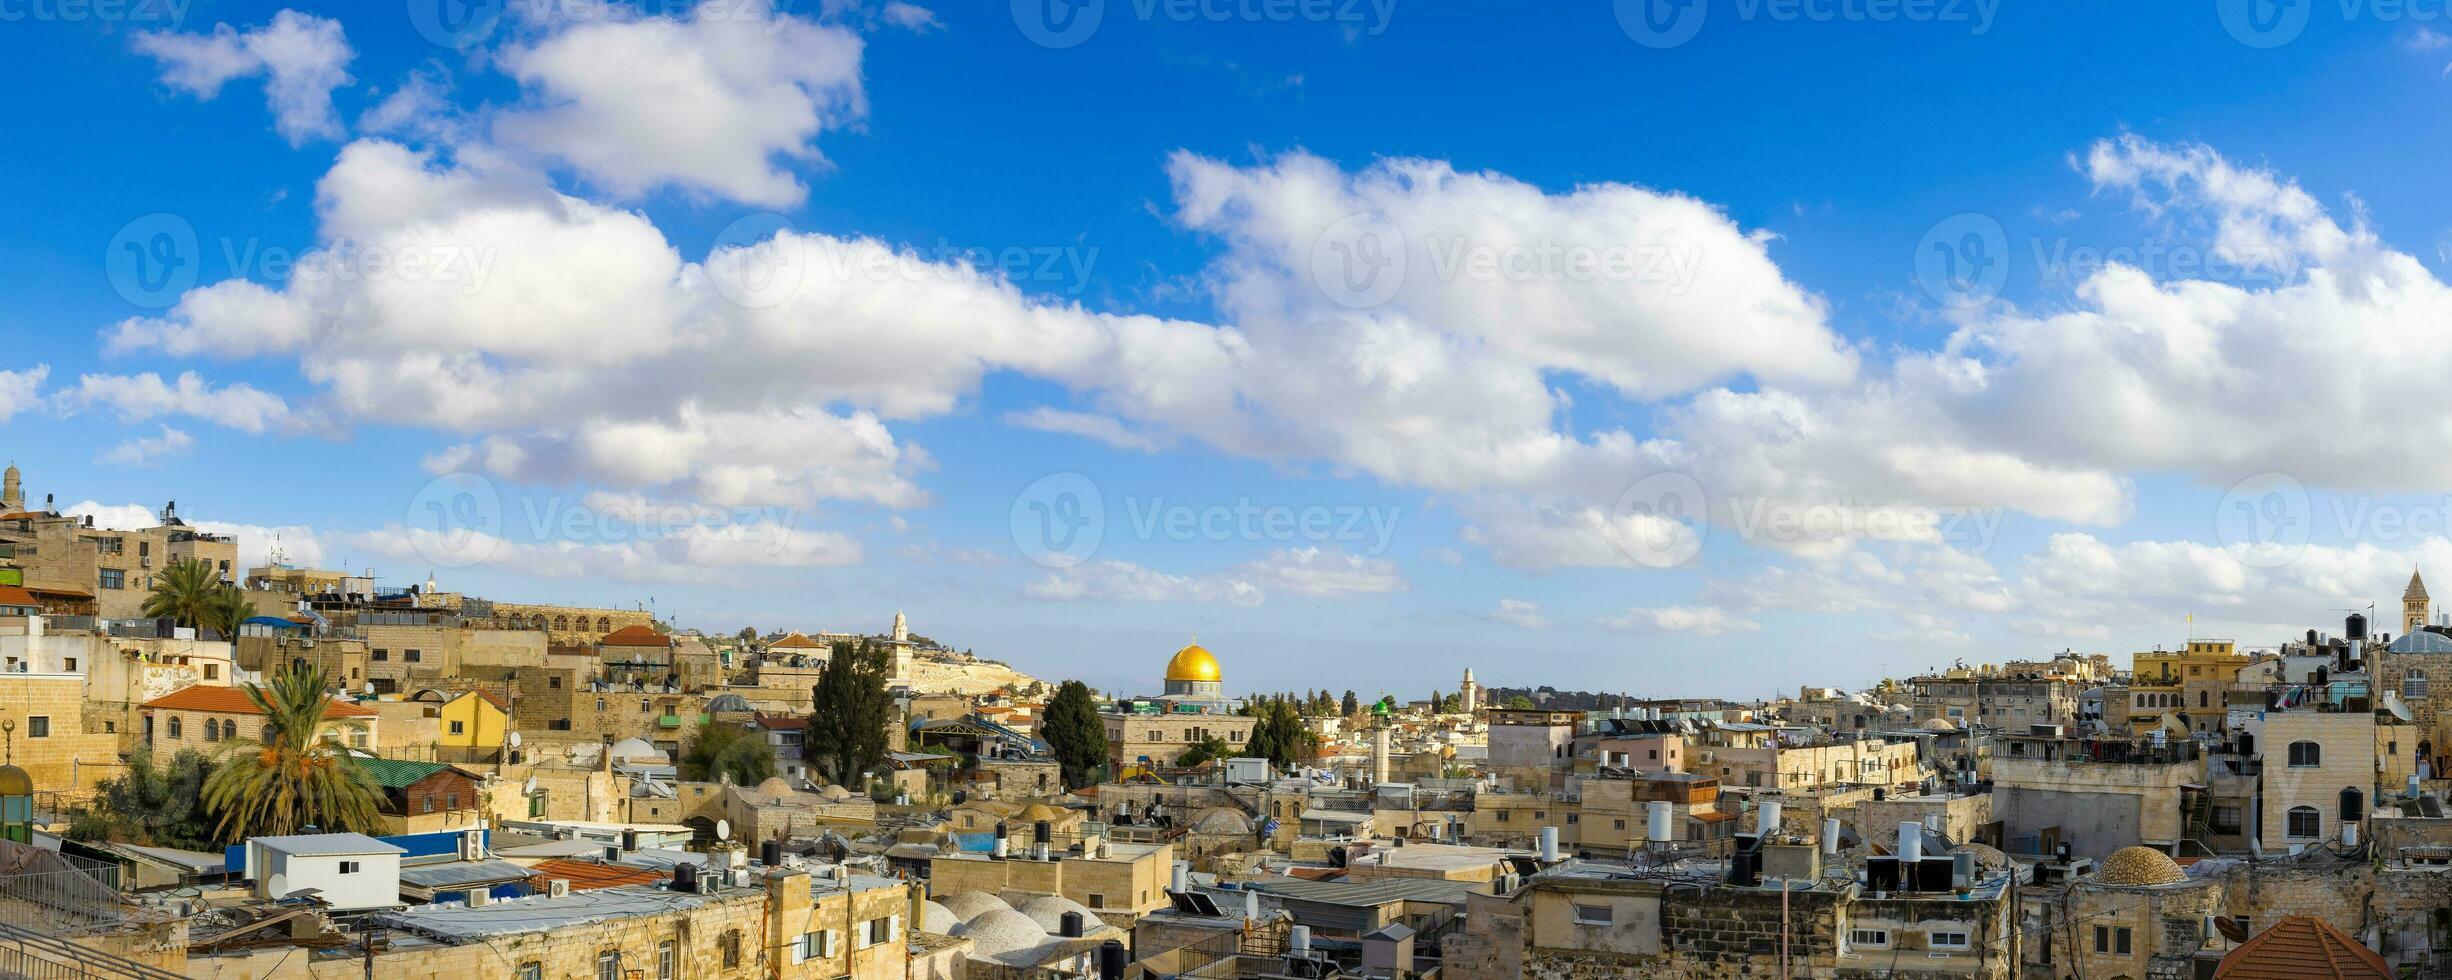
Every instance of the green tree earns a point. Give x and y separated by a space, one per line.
161 806
1521 703
301 774
1074 731
224 610
1352 705
847 735
182 591
1280 737
721 749
1205 750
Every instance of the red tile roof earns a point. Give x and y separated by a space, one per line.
587 876
1317 874
11 595
2302 947
232 701
780 723
635 636
796 641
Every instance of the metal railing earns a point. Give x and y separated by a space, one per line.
29 955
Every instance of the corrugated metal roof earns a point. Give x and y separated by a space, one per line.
328 844
462 873
514 916
1373 891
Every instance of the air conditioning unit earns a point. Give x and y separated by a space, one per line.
480 897
557 888
472 845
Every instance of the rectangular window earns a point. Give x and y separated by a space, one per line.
664 960
38 726
459 728
72 665
2226 820
609 965
2102 939
1595 915
2119 940
1097 900
1946 940
382 656
113 578
412 656
212 672
350 867
1868 937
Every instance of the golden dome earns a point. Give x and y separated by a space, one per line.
1192 663
2139 866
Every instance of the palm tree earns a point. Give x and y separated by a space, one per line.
182 590
225 610
302 775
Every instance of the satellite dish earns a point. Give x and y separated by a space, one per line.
370 687
530 787
515 740
276 886
723 830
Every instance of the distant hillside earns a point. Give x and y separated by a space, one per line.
959 673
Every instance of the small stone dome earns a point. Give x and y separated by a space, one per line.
1987 858
1940 725
1048 911
1040 811
971 905
2139 866
729 704
1221 821
938 920
774 786
1002 931
835 794
635 748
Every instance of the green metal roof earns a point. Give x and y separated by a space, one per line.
398 773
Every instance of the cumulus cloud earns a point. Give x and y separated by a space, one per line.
149 450
1698 620
303 58
22 389
258 544
1310 572
141 397
713 102
1520 614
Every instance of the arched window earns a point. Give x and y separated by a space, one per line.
609 965
732 949
2413 684
174 726
561 623
2306 754
2305 821
604 624
212 730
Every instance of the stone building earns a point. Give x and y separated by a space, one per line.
1155 732
2137 916
2094 795
203 716
1116 879
55 552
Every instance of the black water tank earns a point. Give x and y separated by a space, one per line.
1000 830
2247 743
770 853
1882 873
2355 627
1111 960
685 877
2353 805
961 797
630 840
1070 925
1744 869
1041 832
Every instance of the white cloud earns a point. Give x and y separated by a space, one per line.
708 103
304 56
257 543
912 17
689 554
1113 579
1084 424
149 450
141 397
1323 573
22 389
1698 620
1520 614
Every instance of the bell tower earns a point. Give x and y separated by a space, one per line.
2414 604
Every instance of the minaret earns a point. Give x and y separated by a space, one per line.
2414 604
1471 693
902 628
12 495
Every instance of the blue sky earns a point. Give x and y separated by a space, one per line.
1550 475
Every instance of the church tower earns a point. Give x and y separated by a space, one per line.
12 495
2414 604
